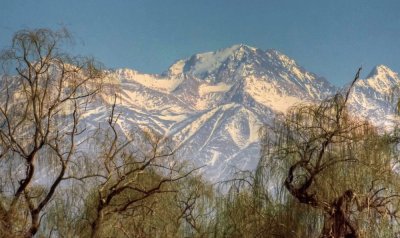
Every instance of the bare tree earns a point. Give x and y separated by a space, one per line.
44 91
338 165
128 171
195 207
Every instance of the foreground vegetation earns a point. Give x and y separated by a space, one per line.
322 172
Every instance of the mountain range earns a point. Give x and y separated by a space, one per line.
212 105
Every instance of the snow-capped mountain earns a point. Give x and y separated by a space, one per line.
372 97
212 105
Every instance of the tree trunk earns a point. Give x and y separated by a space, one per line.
337 223
97 221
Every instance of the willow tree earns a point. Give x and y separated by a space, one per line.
338 165
129 182
43 93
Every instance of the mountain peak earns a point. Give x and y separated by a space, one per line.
240 47
203 64
383 71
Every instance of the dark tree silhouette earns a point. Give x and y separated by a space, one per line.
338 165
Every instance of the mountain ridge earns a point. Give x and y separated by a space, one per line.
213 104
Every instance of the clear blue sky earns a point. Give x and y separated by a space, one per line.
329 37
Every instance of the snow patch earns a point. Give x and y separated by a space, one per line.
152 81
217 88
268 94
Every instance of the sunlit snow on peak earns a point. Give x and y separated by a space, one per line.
382 71
177 68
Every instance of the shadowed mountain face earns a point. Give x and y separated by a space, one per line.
212 105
